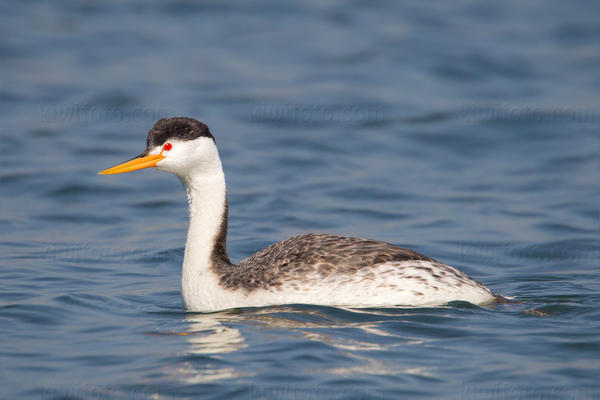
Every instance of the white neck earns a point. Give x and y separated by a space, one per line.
206 195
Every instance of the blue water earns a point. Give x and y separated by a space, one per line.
468 132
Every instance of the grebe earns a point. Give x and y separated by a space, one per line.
307 269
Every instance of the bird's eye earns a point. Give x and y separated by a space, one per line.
167 146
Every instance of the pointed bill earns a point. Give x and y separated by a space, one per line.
134 164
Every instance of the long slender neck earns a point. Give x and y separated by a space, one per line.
206 247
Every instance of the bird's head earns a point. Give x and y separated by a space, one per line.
182 146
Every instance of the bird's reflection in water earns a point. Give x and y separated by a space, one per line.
209 335
354 349
215 335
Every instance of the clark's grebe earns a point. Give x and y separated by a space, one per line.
307 269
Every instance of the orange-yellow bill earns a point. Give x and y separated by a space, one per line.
132 165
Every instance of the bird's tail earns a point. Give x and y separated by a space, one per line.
506 300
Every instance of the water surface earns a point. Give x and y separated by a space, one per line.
468 132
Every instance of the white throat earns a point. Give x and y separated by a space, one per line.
206 195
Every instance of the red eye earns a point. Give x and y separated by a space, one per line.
167 146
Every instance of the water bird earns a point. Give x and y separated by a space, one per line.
321 269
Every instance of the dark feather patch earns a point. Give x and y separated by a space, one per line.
181 128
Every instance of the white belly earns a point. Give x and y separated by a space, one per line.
405 283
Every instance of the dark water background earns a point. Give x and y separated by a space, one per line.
466 131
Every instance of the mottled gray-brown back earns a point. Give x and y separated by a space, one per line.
310 254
